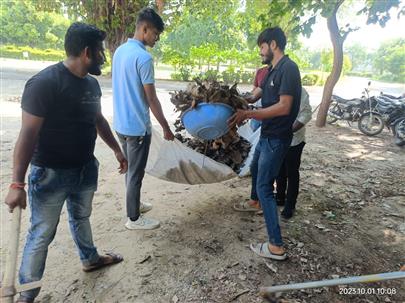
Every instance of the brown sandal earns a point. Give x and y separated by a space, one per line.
246 206
104 261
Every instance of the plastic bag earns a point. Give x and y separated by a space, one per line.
253 137
175 162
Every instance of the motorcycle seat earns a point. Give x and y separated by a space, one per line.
386 100
343 100
386 106
351 103
388 96
392 98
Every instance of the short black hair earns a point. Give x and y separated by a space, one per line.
273 33
81 35
150 16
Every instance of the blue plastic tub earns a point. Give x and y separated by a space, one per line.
207 121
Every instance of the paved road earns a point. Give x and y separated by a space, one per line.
14 74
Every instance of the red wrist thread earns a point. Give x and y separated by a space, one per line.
17 185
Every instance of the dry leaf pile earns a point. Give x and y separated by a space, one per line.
210 92
230 149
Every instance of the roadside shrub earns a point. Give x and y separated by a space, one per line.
390 77
229 76
210 75
321 82
310 79
183 74
232 76
16 52
247 77
175 76
360 74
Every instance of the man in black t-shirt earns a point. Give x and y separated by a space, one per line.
281 94
61 116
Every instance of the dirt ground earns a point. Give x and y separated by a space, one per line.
350 221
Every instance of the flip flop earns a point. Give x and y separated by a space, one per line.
245 207
262 249
103 261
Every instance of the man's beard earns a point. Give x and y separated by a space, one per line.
268 58
96 63
95 68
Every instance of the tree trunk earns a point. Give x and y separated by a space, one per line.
117 18
337 42
114 40
160 6
111 46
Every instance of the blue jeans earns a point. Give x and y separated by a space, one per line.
47 191
266 163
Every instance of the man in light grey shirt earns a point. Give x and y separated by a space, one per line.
289 176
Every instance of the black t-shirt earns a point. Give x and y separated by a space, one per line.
283 79
69 105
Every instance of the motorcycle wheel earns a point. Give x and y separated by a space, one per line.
334 107
399 131
371 124
399 142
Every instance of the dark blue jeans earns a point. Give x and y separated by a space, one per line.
47 191
266 163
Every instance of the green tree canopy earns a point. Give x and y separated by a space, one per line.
359 56
117 18
327 62
22 24
303 15
389 60
205 34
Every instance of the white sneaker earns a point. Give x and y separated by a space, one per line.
142 223
145 207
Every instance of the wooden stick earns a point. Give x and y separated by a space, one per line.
11 261
28 286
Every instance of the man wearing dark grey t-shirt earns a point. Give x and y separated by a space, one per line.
61 117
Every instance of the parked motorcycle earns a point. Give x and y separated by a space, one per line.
371 113
388 112
349 110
